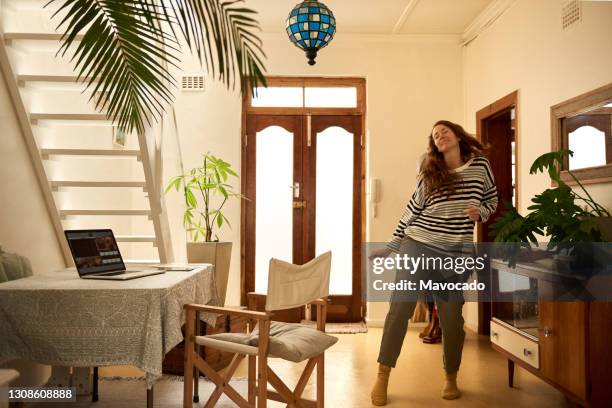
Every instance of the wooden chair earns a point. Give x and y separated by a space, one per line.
289 286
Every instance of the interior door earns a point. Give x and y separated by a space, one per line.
272 223
303 185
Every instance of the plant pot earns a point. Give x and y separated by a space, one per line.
216 253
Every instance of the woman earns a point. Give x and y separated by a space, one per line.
455 189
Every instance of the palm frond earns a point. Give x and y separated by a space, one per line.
222 35
128 47
123 55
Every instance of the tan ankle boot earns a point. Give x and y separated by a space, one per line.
379 392
450 387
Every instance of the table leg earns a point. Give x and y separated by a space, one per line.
510 373
94 393
196 372
150 397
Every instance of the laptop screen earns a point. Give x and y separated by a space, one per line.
94 251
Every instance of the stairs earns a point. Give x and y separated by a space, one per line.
86 179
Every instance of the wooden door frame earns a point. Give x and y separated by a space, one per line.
509 101
360 110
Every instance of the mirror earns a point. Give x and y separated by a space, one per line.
584 125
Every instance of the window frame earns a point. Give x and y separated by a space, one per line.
579 105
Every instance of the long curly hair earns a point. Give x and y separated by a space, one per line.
437 177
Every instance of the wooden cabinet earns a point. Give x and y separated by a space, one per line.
566 344
563 345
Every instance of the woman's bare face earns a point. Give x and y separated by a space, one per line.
444 138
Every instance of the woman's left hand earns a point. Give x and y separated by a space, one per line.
472 212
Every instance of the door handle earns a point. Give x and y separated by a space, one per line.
299 204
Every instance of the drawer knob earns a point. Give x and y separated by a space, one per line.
527 352
547 332
494 334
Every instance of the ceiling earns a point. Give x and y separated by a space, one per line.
381 16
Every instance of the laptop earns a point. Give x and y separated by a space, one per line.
97 256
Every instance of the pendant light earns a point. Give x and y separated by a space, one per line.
311 26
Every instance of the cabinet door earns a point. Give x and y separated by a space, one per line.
562 344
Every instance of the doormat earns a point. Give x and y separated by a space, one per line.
339 328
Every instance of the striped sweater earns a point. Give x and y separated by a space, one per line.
439 220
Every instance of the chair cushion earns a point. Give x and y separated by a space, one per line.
289 341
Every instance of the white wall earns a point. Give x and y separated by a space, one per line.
526 49
411 83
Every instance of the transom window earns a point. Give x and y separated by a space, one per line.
296 95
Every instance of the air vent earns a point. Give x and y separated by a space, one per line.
571 13
192 83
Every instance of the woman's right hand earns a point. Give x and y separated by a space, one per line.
379 253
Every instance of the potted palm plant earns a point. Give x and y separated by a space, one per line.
206 191
568 217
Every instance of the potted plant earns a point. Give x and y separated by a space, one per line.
206 192
561 213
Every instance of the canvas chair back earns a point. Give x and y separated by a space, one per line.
292 285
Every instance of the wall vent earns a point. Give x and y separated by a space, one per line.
192 83
571 13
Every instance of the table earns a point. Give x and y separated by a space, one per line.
56 318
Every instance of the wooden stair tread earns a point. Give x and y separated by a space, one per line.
67 116
22 79
105 212
36 36
79 183
90 152
135 238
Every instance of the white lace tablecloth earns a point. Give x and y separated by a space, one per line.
56 318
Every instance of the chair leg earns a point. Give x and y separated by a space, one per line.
252 368
321 381
188 368
262 382
196 373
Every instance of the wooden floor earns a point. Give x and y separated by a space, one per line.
418 378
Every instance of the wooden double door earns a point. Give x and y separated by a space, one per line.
302 177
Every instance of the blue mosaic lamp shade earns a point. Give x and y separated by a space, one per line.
311 26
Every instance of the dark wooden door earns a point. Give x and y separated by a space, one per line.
293 211
498 133
497 126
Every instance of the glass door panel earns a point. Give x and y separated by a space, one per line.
334 208
273 202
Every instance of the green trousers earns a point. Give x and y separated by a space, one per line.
396 324
449 306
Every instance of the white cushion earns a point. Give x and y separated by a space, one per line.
289 341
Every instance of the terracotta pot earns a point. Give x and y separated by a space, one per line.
216 253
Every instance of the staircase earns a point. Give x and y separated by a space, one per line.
86 179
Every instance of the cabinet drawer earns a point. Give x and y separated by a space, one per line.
515 344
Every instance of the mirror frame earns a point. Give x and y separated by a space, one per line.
572 107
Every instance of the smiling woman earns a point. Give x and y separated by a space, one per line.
455 189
